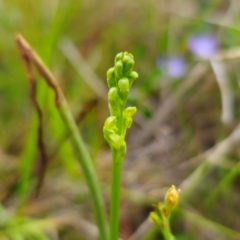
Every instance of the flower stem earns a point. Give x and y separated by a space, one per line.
115 196
166 231
167 235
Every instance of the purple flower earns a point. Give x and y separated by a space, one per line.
203 45
173 66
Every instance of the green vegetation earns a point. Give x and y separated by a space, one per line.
185 132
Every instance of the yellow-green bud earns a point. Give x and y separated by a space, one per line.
127 114
111 78
171 198
118 69
109 131
125 58
128 66
129 111
123 85
113 100
110 125
130 55
162 210
132 76
112 94
155 218
115 141
128 122
118 57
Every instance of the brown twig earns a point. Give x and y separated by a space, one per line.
29 55
26 53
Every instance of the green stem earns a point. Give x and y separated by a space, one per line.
88 170
167 235
166 231
116 185
115 196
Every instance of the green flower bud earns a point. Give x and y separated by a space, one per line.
109 132
162 210
128 122
127 115
113 100
118 69
128 66
155 218
171 198
111 78
129 111
123 85
115 141
118 57
133 75
112 94
125 58
110 125
130 55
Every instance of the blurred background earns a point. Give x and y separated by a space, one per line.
185 132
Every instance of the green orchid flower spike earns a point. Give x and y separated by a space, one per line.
119 79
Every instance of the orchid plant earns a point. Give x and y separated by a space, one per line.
120 79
